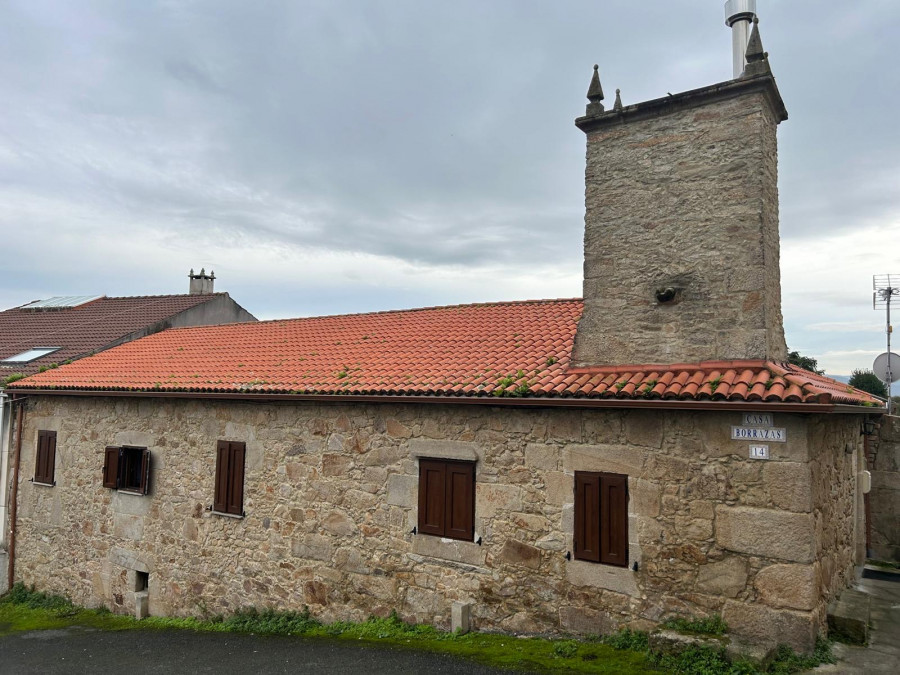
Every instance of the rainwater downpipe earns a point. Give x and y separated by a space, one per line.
20 418
4 466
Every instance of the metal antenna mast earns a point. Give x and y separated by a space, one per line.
885 287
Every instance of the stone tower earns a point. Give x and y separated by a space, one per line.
681 249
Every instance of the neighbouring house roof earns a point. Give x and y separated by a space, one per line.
488 351
76 326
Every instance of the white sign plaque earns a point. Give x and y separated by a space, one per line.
759 420
758 434
759 452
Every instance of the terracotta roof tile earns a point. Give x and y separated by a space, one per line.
84 328
484 350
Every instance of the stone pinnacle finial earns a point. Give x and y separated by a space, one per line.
754 46
618 104
191 272
595 94
757 59
595 91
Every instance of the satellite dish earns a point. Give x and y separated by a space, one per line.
887 367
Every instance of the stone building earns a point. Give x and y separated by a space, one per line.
561 465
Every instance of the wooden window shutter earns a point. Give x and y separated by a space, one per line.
220 500
460 496
111 468
587 516
50 465
39 457
432 497
145 472
235 498
614 519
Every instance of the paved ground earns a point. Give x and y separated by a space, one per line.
882 655
79 650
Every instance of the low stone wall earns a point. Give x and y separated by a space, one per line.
884 499
331 502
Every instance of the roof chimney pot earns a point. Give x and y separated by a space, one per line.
738 16
202 284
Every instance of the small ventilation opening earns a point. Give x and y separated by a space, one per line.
141 581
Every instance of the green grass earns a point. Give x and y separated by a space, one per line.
625 653
24 609
714 625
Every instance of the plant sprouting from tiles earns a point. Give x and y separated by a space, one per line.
769 383
551 360
714 384
341 374
621 385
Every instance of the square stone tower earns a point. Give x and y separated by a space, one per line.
681 247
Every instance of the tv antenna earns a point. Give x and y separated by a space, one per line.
885 287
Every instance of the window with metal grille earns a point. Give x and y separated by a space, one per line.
45 458
229 490
127 468
447 498
601 517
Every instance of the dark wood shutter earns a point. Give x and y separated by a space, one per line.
614 519
587 516
45 458
235 500
460 510
220 500
145 471
111 467
432 496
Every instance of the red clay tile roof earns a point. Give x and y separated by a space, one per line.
485 350
84 329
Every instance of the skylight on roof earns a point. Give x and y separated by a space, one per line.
61 302
31 355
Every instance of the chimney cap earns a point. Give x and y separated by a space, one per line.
739 10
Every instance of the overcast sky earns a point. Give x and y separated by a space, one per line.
352 155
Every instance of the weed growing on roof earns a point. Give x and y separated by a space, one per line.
714 384
9 379
551 360
67 362
621 385
341 374
769 383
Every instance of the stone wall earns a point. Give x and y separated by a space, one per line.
684 196
330 501
884 499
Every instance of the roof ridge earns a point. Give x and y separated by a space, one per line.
162 296
494 303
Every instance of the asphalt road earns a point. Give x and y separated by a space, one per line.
80 650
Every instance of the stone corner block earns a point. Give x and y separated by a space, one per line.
758 624
766 532
790 586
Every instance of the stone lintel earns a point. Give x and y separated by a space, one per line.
764 83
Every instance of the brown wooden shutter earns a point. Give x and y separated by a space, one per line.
587 516
50 459
220 500
460 495
145 471
111 468
432 496
40 457
614 519
235 499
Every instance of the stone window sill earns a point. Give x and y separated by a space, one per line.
35 482
136 493
237 516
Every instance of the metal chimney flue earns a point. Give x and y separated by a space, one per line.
739 16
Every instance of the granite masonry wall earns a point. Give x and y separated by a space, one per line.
331 499
884 499
686 197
